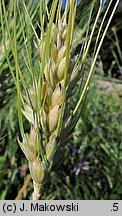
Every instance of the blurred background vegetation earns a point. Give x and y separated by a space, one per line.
92 168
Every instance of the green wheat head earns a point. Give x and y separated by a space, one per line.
45 100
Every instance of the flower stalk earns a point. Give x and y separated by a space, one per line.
37 191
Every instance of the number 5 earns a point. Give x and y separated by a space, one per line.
115 207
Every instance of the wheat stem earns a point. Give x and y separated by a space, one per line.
37 191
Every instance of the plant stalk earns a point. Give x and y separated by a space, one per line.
37 191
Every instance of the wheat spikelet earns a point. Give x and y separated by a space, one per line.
49 113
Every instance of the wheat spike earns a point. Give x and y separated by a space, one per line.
52 96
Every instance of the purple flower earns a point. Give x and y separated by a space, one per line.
119 71
99 128
73 151
117 116
80 165
84 166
